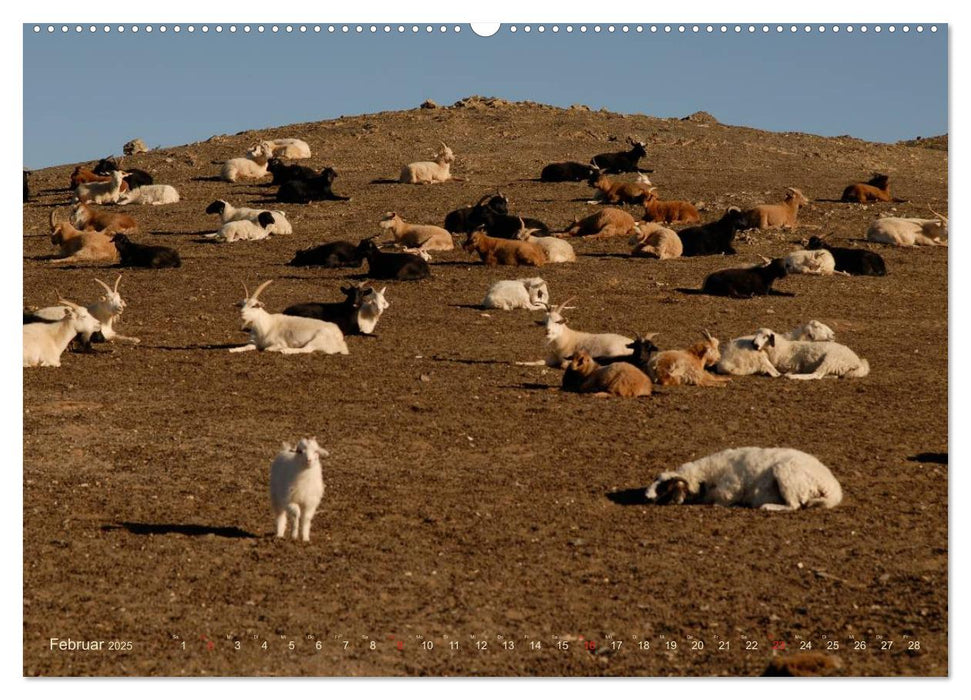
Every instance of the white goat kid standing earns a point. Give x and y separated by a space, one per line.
289 335
297 486
809 360
770 478
45 342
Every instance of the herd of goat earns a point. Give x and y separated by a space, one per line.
604 364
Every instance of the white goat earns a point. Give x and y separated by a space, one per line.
809 360
150 194
652 240
422 236
556 250
563 341
427 172
294 149
289 335
529 293
244 229
107 310
739 357
101 192
227 212
908 232
770 478
45 342
810 262
253 167
297 486
373 304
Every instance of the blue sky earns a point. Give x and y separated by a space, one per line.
170 89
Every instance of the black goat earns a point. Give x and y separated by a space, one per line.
852 261
135 178
138 255
713 238
642 349
392 266
336 254
624 161
283 173
744 283
508 226
315 189
346 314
468 219
567 172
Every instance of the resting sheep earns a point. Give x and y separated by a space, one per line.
655 241
227 212
687 367
746 282
800 359
530 293
286 148
606 223
770 478
810 262
781 215
428 172
422 236
852 261
739 357
585 376
908 232
244 229
150 194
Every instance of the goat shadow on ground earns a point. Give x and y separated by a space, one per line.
698 292
626 256
469 361
929 458
208 178
470 306
199 346
629 497
386 181
179 529
530 386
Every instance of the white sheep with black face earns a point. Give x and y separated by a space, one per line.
297 486
808 360
530 293
770 478
739 356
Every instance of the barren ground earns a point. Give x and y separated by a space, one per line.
467 497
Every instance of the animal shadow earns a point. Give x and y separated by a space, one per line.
629 497
179 529
929 458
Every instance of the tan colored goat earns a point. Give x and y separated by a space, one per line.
499 251
606 223
421 236
781 215
80 246
679 367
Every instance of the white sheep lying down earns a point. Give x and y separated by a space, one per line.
810 262
287 148
907 232
297 486
150 194
809 360
770 478
739 356
280 227
529 293
556 250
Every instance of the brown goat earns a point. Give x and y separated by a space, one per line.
499 251
83 175
617 379
606 223
619 192
90 219
679 367
781 215
670 211
78 246
876 190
